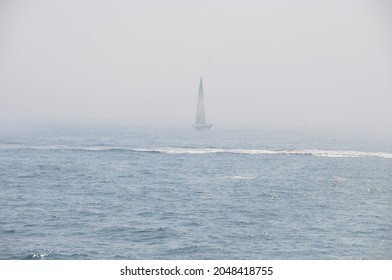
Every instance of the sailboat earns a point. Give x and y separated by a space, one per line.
200 112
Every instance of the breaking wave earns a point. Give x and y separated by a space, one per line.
196 151
319 153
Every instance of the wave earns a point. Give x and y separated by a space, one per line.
196 151
318 153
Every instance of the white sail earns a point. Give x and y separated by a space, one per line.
200 111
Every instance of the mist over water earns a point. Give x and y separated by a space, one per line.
98 159
264 64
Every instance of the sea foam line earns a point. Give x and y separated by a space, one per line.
195 151
313 152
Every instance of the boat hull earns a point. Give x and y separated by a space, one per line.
202 126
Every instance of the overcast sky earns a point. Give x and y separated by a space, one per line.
264 63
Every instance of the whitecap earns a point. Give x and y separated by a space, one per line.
209 150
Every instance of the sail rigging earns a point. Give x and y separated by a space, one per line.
200 111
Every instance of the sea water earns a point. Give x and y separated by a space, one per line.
160 193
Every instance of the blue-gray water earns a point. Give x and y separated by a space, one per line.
138 193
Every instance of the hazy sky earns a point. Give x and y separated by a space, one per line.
264 63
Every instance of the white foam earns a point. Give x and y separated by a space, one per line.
239 177
318 153
196 151
181 150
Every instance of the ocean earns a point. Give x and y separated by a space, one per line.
179 193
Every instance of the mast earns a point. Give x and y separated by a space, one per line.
200 113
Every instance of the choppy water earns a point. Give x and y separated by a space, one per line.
138 193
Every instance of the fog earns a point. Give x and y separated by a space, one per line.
296 64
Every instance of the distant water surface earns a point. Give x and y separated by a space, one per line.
144 193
